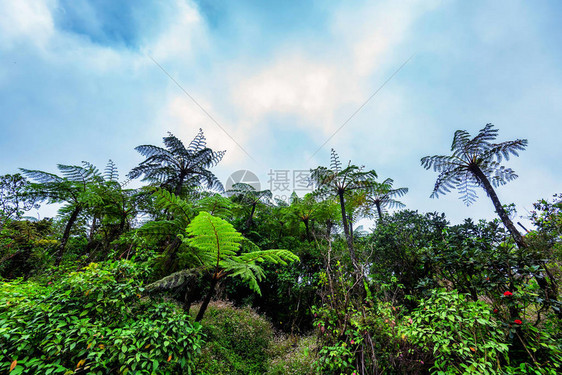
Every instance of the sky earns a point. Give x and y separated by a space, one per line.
277 84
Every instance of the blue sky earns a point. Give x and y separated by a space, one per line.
77 83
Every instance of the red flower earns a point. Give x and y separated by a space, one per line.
352 342
507 294
517 321
496 311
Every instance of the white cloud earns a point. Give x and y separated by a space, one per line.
322 91
25 20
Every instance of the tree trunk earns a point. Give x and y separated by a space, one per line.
93 229
498 206
307 229
379 210
346 231
66 234
207 299
179 184
250 220
171 254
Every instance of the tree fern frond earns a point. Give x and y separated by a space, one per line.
165 200
174 280
111 172
446 181
149 151
216 205
251 273
198 143
174 145
505 149
277 256
41 177
335 163
214 237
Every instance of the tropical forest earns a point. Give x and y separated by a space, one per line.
184 275
280 187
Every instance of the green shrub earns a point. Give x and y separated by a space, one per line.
93 321
462 333
238 341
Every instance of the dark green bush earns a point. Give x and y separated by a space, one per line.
238 341
93 321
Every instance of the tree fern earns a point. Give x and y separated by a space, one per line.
475 162
176 166
218 247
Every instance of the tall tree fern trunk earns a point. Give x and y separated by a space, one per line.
66 234
498 206
171 254
250 220
207 299
305 221
379 210
348 237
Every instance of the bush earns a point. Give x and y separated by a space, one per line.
462 334
238 341
293 356
93 321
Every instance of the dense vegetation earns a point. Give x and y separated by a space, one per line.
180 276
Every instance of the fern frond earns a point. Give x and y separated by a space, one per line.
174 280
198 143
214 237
111 173
276 256
335 163
216 205
174 145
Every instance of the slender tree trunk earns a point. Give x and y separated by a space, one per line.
346 231
93 229
171 254
379 210
207 299
498 206
250 220
179 184
66 234
307 229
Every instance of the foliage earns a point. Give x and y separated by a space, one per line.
25 247
381 195
177 166
413 295
93 321
458 169
218 245
238 341
14 200
293 355
462 334
477 162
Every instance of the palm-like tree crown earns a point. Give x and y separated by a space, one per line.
471 155
176 165
381 195
336 179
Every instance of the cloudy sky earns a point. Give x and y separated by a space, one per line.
274 80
